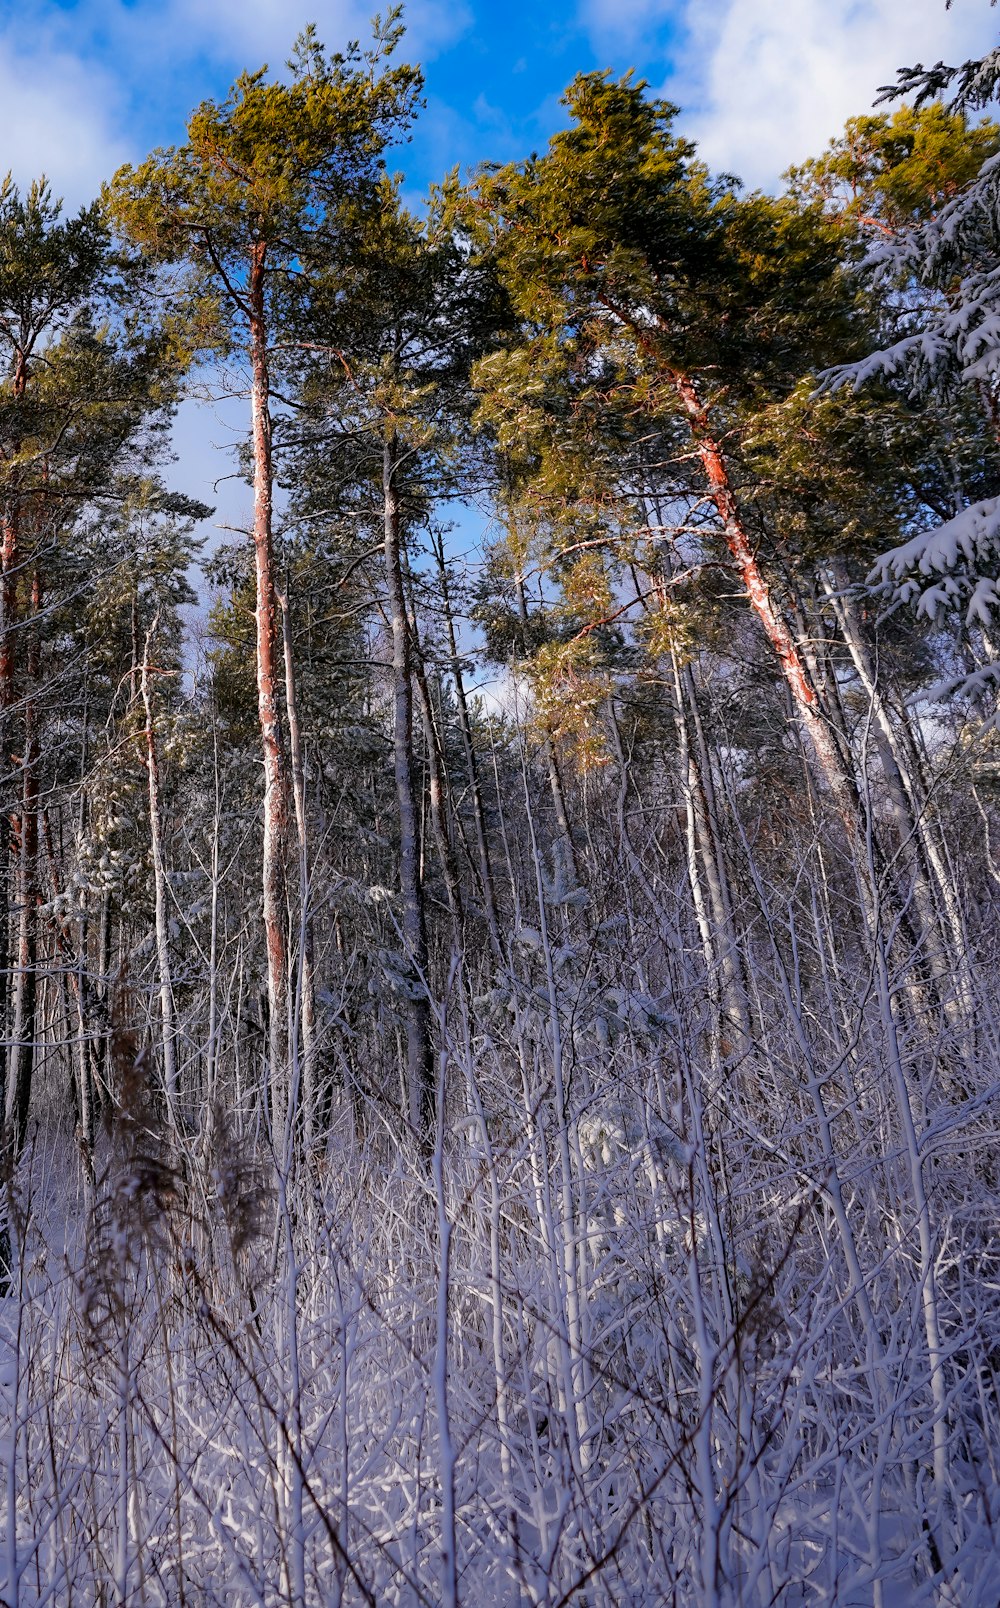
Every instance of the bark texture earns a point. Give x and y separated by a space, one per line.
419 1056
276 789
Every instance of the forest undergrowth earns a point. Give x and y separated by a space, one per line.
670 1313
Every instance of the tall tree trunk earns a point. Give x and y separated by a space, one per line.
10 559
485 867
901 767
212 1032
567 846
9 565
437 781
709 834
419 1055
307 986
169 1034
6 918
92 1022
275 770
18 1094
833 773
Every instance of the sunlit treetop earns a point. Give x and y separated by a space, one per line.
888 172
268 171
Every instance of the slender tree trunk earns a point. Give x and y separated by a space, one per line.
831 767
6 874
8 623
134 669
169 1035
91 1011
704 855
212 1031
100 1047
9 564
275 769
307 986
551 762
688 777
10 558
469 753
436 784
419 1055
900 765
26 980
834 772
737 992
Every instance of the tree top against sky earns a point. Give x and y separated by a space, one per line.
90 84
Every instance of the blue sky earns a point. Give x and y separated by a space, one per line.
86 84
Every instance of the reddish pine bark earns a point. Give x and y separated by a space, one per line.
776 629
10 557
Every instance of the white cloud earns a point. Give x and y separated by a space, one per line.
155 37
251 32
69 78
765 84
58 119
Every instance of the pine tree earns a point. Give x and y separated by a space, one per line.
264 190
390 333
649 292
87 385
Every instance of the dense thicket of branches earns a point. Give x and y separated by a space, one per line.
536 1147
